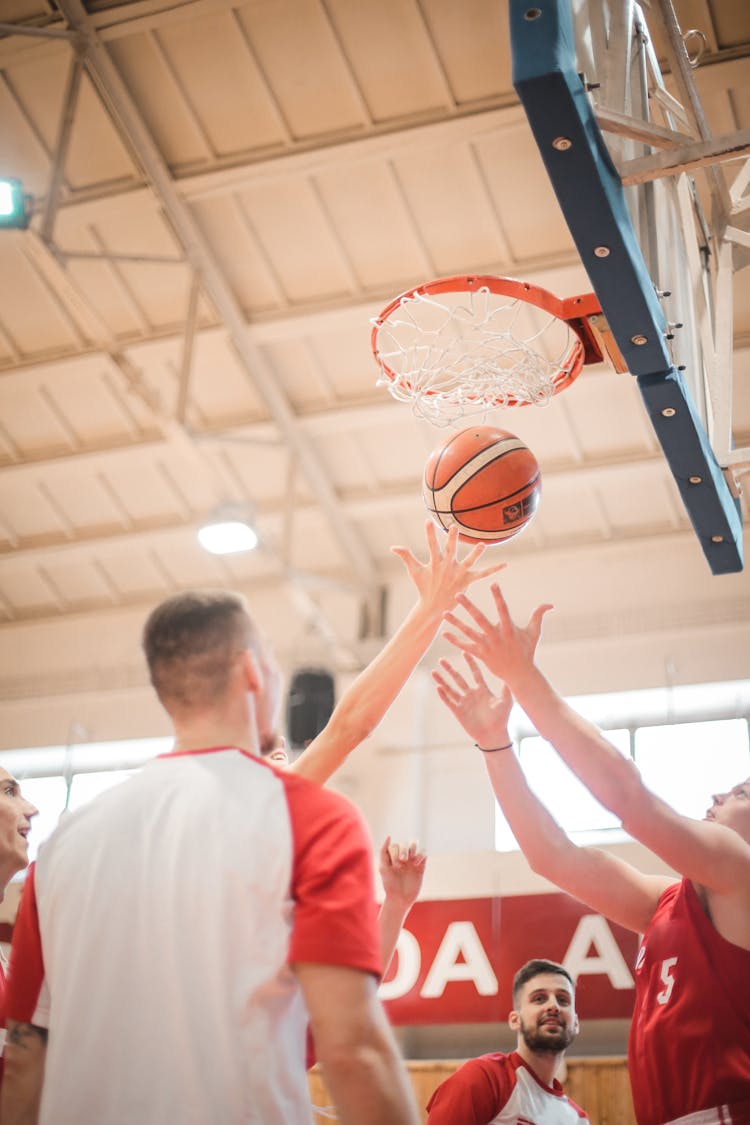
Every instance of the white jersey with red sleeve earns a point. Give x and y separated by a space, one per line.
500 1089
156 932
689 1049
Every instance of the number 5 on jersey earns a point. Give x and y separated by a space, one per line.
667 978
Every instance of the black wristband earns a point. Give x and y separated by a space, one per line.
494 749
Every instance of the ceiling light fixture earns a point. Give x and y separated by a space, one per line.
15 205
230 531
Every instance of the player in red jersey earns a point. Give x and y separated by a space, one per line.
500 1089
15 823
689 1049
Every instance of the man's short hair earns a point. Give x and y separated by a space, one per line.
191 641
536 968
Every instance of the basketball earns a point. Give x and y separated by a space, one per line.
486 481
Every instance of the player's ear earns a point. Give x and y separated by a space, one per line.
514 1021
251 672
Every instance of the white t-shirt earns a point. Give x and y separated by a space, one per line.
155 936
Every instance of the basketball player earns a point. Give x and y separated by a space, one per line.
175 930
689 1049
15 823
520 1086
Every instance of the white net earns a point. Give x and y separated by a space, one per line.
470 351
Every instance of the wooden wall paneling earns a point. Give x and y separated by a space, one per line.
599 1085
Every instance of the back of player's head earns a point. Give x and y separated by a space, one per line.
536 968
191 642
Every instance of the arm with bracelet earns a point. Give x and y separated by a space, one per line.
601 880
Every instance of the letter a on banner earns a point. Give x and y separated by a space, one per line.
460 938
594 930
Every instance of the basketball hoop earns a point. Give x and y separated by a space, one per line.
469 344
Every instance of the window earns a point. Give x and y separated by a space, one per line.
683 762
569 801
60 778
686 763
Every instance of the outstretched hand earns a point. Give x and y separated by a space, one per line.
443 577
402 871
504 648
483 716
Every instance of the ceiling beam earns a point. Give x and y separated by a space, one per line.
568 550
308 158
359 505
309 317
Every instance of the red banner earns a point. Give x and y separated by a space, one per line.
456 959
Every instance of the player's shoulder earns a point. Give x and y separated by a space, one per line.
476 1091
496 1067
313 807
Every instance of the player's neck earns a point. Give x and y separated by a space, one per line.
228 723
202 735
545 1064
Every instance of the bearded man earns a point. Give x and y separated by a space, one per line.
521 1086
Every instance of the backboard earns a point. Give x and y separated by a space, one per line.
656 221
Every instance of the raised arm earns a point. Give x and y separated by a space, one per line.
438 582
604 882
402 872
710 854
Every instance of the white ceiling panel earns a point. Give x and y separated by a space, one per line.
477 67
229 230
522 195
296 234
294 43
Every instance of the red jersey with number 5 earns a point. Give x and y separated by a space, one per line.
690 1034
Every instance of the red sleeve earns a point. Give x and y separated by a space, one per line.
26 973
333 881
475 1094
2 1019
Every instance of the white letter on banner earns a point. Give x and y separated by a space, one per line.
460 937
593 930
409 963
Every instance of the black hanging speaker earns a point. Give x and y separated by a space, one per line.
309 705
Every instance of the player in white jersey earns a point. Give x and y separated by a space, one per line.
505 1089
176 929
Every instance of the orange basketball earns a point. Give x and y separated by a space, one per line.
486 481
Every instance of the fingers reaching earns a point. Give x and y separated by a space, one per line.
534 627
397 855
476 670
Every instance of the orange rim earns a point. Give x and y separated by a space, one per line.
574 311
